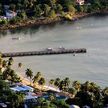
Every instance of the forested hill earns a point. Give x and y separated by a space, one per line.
18 10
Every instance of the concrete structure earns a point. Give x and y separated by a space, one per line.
47 51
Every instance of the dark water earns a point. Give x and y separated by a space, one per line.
90 33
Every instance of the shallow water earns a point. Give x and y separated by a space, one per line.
90 33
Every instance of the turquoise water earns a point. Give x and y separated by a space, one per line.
90 33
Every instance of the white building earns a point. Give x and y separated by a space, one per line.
80 2
74 106
10 14
3 17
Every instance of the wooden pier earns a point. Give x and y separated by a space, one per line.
47 51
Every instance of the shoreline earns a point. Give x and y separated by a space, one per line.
45 87
46 21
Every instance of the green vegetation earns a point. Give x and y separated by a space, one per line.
37 9
80 94
6 95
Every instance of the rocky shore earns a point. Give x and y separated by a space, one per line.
45 21
29 22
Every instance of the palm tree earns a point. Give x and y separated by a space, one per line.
1 61
29 74
12 74
105 91
10 61
6 73
57 82
19 65
41 82
62 85
105 96
4 63
87 86
0 52
51 82
67 82
37 77
76 85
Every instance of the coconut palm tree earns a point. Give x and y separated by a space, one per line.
105 91
105 96
62 85
6 73
41 82
51 82
37 77
29 74
87 86
1 61
4 63
0 55
76 85
19 65
67 82
11 59
10 62
57 82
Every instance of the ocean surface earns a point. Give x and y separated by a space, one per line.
90 33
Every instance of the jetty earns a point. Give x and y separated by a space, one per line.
48 51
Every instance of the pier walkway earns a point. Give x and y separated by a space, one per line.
48 51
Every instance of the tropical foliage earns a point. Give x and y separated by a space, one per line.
81 94
48 8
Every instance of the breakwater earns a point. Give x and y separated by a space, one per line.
47 51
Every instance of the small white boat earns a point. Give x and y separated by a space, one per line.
16 38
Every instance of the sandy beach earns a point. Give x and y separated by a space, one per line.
26 81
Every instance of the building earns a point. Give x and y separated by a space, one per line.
3 105
80 2
10 14
22 88
3 18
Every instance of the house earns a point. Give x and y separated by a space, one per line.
10 14
74 106
80 2
3 105
3 17
22 88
